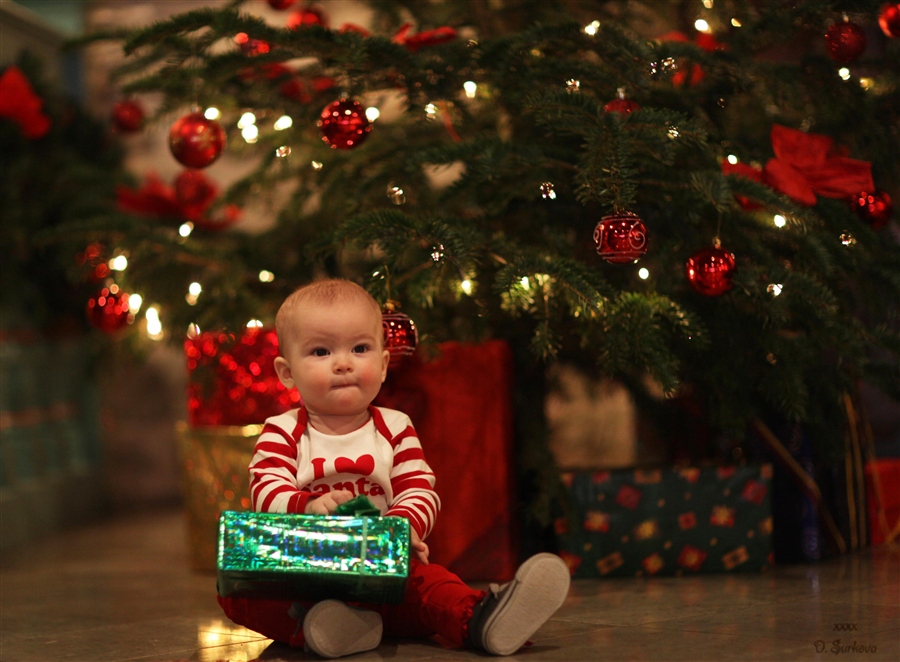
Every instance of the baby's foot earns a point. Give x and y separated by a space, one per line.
333 629
502 622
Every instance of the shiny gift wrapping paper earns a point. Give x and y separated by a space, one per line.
313 557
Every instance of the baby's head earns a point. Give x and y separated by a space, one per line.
331 342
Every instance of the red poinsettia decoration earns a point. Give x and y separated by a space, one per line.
806 165
19 103
189 198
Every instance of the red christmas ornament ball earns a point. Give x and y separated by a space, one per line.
281 4
108 309
250 46
874 208
709 271
889 19
128 116
400 334
845 42
621 238
344 124
624 106
308 16
196 141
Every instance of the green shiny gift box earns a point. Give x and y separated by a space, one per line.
313 557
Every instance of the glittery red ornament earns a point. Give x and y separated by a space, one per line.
621 238
232 379
281 4
874 208
344 124
196 141
889 19
709 271
400 333
108 309
845 42
128 116
624 106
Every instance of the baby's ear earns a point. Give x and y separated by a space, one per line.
283 370
385 359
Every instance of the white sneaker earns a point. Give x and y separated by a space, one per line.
334 629
502 622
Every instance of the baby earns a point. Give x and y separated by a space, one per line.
337 446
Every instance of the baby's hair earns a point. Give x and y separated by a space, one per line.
323 292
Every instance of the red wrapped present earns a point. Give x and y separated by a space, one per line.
883 495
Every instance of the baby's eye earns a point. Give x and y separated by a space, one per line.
320 351
361 349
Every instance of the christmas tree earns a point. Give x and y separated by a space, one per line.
691 197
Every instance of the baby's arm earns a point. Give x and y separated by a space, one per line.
273 471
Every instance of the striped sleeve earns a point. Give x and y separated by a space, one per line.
273 468
412 481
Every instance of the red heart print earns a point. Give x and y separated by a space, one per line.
364 466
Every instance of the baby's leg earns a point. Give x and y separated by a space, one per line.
437 602
280 620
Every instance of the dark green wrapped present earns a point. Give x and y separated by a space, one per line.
313 557
671 521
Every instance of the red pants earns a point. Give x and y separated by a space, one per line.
436 602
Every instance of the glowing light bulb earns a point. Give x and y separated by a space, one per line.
732 159
466 286
195 288
470 87
525 282
372 113
266 276
844 73
186 229
774 289
134 303
118 263
212 113
779 221
283 122
592 28
736 23
247 119
643 273
154 324
254 324
701 26
250 133
430 111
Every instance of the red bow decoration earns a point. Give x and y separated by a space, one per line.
189 199
805 165
702 39
421 39
19 103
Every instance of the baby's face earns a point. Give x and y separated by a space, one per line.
336 357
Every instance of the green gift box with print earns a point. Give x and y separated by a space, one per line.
356 558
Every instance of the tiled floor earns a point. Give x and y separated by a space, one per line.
123 591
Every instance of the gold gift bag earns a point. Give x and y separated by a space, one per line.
214 478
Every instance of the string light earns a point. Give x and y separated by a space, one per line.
774 289
283 122
212 113
118 263
466 286
732 159
247 119
779 221
250 133
254 324
372 113
708 4
844 73
525 282
701 26
134 303
316 165
736 23
643 273
430 111
470 87
592 28
266 276
186 229
154 324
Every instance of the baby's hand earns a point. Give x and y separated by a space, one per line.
327 503
419 547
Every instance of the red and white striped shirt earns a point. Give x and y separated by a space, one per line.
383 460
